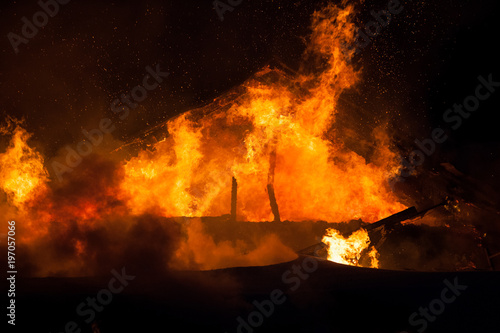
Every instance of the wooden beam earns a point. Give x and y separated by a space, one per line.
234 196
270 182
394 219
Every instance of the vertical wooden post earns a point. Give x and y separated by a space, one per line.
270 184
234 195
274 204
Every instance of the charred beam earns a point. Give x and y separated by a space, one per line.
234 195
318 250
494 255
394 219
270 183
274 204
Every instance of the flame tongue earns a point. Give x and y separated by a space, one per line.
189 173
22 173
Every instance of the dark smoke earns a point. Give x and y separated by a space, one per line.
111 238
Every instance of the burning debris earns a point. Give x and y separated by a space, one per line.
270 147
349 250
302 173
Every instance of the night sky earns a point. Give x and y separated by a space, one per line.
427 58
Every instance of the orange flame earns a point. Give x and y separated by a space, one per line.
189 172
22 171
276 131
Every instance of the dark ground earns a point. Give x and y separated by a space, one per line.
333 298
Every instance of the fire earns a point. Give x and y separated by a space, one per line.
276 132
166 178
349 250
22 173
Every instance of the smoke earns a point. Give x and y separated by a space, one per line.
80 227
200 251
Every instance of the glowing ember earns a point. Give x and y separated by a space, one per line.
349 250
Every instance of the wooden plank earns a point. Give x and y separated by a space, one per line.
234 196
394 219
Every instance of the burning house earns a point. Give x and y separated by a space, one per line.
267 208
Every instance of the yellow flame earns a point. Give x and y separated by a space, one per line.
22 172
349 250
